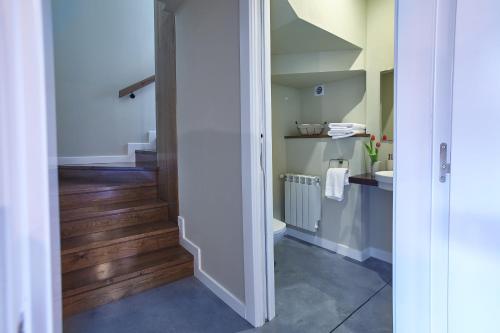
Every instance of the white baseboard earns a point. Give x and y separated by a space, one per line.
225 295
130 157
341 249
150 145
380 254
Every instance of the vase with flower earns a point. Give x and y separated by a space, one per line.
373 149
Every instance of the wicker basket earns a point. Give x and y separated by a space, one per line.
310 129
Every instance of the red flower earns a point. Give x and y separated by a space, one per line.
378 145
384 138
372 138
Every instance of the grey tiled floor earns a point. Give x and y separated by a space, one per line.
320 291
316 291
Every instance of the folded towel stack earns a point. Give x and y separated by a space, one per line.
344 130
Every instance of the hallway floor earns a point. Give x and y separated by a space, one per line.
181 307
316 291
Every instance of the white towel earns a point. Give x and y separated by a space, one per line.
339 134
344 132
347 126
336 179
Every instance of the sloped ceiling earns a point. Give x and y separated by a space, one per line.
300 28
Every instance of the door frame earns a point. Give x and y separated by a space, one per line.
422 73
253 104
29 201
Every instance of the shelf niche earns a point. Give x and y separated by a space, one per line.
305 80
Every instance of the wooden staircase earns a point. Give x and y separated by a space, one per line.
115 237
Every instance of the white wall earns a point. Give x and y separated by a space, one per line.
101 47
379 56
209 136
286 110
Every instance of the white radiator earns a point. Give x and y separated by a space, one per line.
302 201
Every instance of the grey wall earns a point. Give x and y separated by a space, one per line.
344 101
341 222
101 47
209 143
379 214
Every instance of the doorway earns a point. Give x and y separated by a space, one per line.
332 98
117 145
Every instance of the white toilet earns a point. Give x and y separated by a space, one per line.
279 230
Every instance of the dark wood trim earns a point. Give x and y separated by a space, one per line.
166 102
136 86
323 136
364 179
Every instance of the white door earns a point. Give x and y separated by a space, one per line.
474 248
30 296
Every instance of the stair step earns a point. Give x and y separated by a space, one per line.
93 249
98 276
100 210
67 187
115 291
146 158
105 238
77 194
123 215
113 172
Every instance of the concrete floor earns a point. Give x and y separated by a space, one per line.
321 291
316 291
183 306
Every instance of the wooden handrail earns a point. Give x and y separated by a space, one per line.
129 91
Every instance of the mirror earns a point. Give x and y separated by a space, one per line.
387 103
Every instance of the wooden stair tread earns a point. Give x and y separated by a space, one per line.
146 151
140 215
115 291
109 237
105 274
117 166
77 187
109 209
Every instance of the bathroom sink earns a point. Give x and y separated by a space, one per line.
384 179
